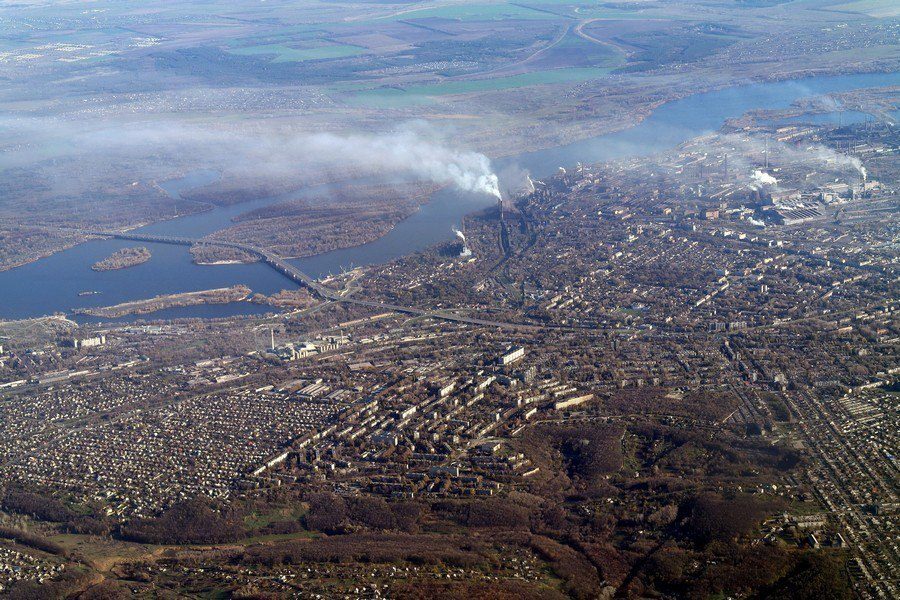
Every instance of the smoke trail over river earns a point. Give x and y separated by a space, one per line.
249 151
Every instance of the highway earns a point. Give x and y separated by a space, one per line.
301 278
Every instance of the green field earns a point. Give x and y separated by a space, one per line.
589 10
598 55
472 12
873 8
398 98
494 11
283 54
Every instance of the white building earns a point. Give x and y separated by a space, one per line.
512 355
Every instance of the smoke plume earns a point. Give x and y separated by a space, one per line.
407 152
515 181
742 149
763 179
250 150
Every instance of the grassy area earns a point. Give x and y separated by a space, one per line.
258 520
103 553
574 51
492 11
590 10
278 537
472 12
284 54
873 8
419 94
801 509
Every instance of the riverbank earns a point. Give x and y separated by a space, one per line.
499 147
50 285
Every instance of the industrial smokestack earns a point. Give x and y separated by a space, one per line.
465 252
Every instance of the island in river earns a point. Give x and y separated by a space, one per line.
122 259
139 307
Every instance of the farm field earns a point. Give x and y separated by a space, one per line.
283 53
873 8
393 97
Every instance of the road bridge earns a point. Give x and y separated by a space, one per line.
297 276
274 261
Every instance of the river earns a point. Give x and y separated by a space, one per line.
52 284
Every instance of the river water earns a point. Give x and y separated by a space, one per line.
52 284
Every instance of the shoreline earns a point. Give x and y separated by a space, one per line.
585 130
637 121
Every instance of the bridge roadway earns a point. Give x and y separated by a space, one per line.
301 278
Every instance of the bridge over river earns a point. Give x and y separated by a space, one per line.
301 278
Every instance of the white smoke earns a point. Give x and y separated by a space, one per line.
813 156
460 234
515 182
259 150
837 160
409 152
763 179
